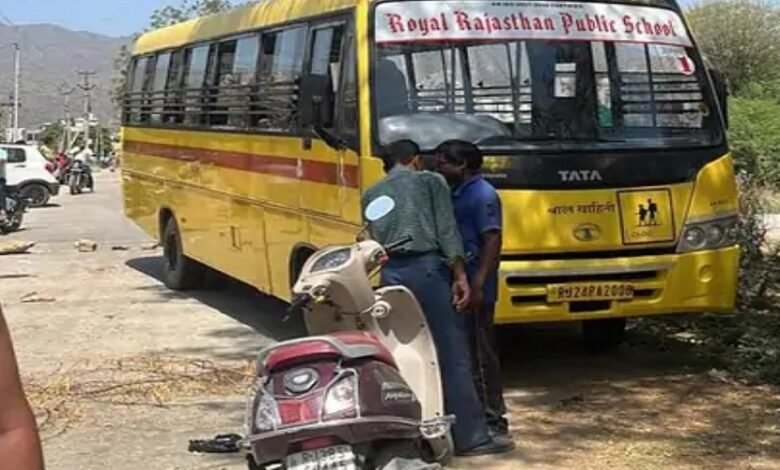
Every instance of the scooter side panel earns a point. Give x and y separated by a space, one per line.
383 392
405 333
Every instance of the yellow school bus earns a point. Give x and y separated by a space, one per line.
249 136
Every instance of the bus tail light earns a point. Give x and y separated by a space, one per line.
708 235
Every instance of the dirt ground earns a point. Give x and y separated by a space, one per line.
123 372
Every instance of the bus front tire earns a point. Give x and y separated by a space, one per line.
604 335
179 272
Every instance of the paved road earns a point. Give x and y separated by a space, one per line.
81 311
77 316
97 216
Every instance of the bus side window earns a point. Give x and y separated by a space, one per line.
144 93
174 111
281 64
347 109
242 83
135 99
196 62
157 92
220 81
326 47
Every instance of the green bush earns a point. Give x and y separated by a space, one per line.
759 276
746 344
755 138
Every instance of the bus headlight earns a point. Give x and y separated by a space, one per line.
708 235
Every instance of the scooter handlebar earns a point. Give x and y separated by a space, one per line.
299 302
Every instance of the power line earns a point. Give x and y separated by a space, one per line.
87 86
5 19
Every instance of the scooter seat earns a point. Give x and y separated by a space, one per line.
347 345
362 344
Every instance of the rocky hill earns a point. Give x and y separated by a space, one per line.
51 55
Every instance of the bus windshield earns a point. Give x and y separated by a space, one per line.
538 74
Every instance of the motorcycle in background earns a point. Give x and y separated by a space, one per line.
15 207
365 390
79 177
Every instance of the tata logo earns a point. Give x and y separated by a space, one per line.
587 232
571 176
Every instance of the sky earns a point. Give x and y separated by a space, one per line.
109 17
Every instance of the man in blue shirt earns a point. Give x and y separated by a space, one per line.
478 213
432 268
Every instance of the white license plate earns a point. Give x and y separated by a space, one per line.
328 458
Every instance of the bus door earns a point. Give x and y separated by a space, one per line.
332 47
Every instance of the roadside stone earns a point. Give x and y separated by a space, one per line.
14 247
86 246
150 246
35 298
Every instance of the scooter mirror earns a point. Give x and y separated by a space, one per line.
379 208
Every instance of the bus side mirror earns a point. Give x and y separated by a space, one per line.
721 93
316 107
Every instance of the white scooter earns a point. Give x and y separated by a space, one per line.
366 384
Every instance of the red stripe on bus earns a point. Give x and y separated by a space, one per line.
314 171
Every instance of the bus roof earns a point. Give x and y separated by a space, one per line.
246 18
270 12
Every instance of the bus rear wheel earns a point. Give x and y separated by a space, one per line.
179 272
604 335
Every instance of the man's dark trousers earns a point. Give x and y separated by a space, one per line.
2 194
487 366
429 279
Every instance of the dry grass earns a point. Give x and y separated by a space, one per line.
149 380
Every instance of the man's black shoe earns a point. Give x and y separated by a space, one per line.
496 445
499 431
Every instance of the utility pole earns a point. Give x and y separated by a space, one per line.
87 88
10 104
66 90
17 75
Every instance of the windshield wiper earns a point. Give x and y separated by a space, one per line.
497 139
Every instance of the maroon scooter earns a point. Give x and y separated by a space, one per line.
365 390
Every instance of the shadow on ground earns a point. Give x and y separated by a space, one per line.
641 406
262 313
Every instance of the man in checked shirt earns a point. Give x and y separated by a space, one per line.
432 267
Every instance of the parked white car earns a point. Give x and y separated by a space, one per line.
26 170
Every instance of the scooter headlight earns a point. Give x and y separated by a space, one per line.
266 414
341 399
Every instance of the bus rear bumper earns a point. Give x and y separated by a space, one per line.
703 281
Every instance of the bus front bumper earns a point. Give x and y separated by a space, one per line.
703 281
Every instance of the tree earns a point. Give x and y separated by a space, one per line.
170 15
755 139
740 37
52 135
160 18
